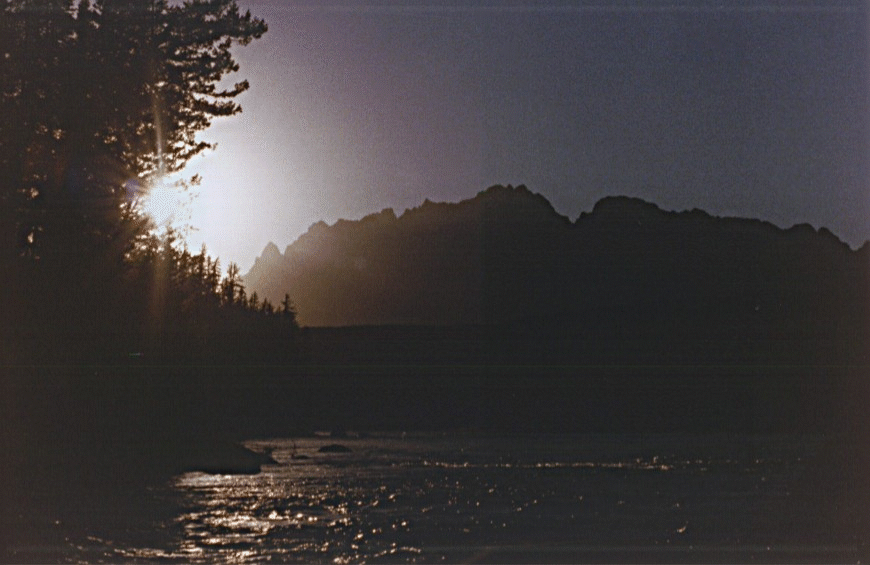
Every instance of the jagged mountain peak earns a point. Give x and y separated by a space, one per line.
623 207
519 197
270 255
271 252
385 215
506 254
498 203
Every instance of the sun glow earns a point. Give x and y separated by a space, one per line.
161 204
167 204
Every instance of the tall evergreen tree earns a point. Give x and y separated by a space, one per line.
100 100
231 284
288 309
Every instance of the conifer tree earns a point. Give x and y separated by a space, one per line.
99 100
288 309
231 284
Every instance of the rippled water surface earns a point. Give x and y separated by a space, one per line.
395 498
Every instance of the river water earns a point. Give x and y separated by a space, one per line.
472 497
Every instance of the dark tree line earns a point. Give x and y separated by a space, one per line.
98 99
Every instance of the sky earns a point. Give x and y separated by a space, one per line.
752 109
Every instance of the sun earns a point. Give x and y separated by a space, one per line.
160 204
165 203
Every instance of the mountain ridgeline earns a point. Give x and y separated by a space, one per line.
627 270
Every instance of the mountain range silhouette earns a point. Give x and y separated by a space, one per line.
625 270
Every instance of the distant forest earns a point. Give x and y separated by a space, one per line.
99 101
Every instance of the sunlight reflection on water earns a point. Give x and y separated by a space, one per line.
429 499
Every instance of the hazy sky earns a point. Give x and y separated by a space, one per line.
755 109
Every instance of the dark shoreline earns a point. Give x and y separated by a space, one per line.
84 444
